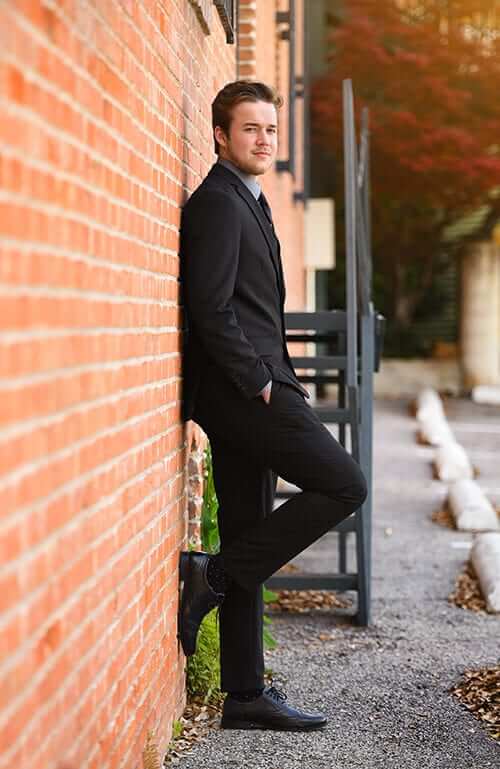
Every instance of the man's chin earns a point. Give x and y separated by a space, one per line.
260 167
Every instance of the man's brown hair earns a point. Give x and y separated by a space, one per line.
234 93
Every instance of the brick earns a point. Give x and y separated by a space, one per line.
247 70
105 129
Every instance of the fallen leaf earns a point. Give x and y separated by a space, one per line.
444 516
479 692
467 592
301 601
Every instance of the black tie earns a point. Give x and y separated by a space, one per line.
267 210
266 207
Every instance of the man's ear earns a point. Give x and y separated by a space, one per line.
220 135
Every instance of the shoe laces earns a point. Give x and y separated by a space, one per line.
276 693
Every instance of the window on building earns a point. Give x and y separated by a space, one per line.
227 13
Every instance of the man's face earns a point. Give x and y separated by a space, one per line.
252 143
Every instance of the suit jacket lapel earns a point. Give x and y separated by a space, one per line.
264 225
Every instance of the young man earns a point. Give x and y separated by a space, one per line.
240 386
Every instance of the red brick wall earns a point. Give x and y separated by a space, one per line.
105 126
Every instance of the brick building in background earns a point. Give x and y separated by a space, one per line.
106 128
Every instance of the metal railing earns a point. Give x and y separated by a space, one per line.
354 336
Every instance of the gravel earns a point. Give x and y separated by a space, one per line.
385 688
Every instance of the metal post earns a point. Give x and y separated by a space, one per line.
350 183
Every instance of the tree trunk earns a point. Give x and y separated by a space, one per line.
403 310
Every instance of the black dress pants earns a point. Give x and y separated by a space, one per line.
252 443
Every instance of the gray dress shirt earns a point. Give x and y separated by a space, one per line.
247 180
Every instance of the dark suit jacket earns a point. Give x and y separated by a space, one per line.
233 291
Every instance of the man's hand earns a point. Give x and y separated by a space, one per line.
193 435
266 391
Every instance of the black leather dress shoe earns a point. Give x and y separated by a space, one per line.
268 711
197 600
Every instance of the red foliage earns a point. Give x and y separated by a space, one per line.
434 105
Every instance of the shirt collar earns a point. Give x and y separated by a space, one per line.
247 180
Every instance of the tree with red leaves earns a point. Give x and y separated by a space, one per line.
430 74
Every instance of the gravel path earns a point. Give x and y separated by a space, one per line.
385 688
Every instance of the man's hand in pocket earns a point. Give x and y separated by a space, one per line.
266 391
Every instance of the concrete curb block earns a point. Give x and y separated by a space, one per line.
490 396
450 460
452 463
470 507
485 557
436 431
429 406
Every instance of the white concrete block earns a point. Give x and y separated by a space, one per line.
486 394
485 555
436 430
429 405
470 507
452 463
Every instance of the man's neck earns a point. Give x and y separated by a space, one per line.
250 177
249 180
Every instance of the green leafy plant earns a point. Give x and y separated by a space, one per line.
203 669
210 539
269 640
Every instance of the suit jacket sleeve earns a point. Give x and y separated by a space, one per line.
210 238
